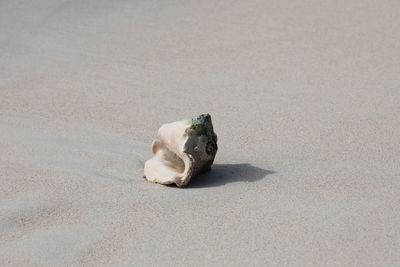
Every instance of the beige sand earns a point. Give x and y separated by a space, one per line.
304 97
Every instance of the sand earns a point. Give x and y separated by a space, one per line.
304 97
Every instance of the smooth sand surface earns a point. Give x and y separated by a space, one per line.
305 99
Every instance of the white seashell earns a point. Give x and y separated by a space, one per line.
182 149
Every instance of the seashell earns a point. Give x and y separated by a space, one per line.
182 150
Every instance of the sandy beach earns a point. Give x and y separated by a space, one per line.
304 97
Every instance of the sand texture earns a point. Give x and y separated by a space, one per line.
304 96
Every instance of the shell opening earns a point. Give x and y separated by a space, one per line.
166 167
172 161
